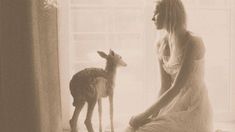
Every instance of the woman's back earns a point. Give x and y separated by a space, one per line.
190 108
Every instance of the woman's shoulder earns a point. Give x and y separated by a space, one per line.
161 47
196 46
162 41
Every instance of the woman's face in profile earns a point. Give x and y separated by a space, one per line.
158 18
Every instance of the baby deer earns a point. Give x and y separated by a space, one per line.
90 85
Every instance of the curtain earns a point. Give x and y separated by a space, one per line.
29 70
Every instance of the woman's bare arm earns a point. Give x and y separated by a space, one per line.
165 83
165 79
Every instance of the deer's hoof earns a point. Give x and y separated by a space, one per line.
100 130
70 123
72 126
90 130
74 130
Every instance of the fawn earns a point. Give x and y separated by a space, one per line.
90 85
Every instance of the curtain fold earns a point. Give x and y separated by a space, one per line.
46 65
29 72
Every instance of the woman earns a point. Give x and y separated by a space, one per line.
183 105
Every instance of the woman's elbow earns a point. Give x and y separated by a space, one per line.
164 87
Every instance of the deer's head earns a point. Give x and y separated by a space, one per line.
112 58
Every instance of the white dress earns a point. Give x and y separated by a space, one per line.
190 110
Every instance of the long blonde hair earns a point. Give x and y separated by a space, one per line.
174 14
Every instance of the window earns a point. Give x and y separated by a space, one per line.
117 25
126 27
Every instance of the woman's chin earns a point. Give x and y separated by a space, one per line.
158 27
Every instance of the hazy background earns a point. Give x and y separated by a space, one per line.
125 26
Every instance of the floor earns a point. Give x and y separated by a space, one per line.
219 127
225 127
119 127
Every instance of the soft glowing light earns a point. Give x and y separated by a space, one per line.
50 3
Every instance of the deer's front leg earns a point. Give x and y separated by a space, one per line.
111 112
100 114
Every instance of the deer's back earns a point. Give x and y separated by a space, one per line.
89 74
83 84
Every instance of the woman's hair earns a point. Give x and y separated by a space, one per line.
174 14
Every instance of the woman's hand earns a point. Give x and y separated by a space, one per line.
139 120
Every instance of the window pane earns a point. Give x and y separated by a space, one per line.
89 20
128 20
85 47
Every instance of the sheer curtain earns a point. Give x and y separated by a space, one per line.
30 91
46 64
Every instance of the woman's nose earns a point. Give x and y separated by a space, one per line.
153 18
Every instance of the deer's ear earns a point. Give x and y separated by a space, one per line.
102 54
111 52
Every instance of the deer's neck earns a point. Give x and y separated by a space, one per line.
111 71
